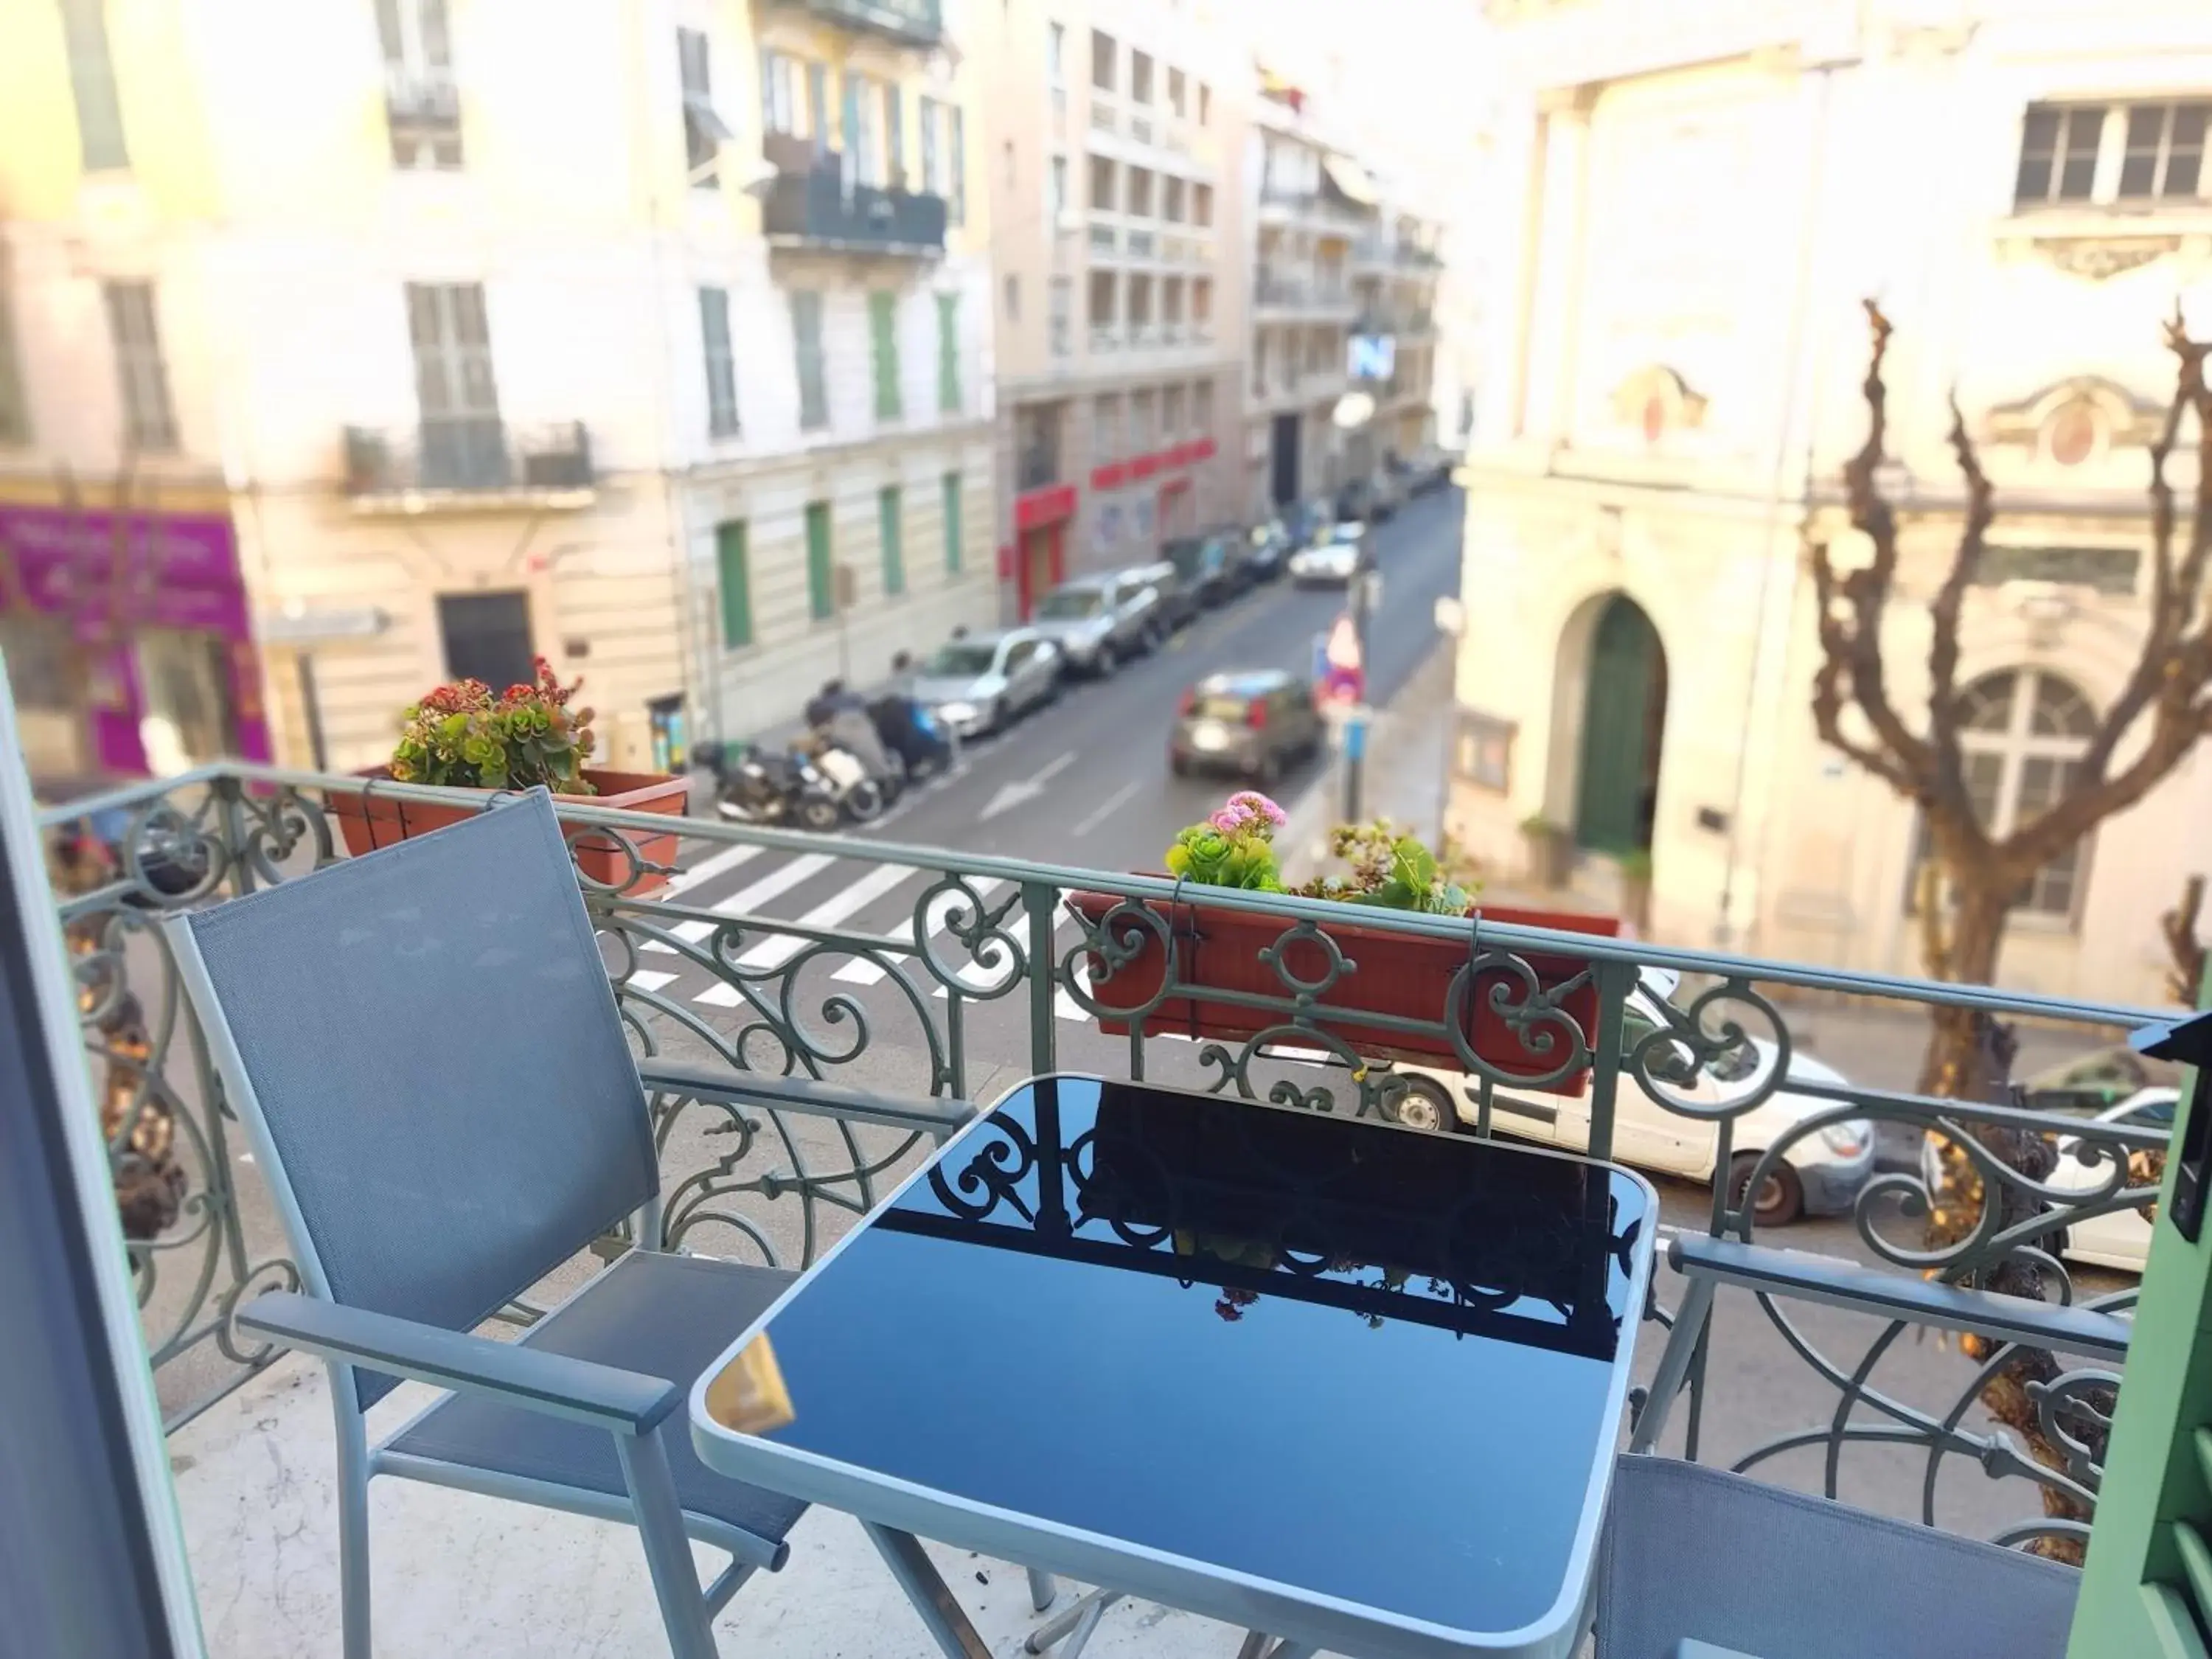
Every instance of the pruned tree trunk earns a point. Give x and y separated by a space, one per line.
2185 983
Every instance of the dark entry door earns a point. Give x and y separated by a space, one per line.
487 638
1622 717
1284 453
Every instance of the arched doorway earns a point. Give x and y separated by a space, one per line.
1624 714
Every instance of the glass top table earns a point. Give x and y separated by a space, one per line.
1355 1385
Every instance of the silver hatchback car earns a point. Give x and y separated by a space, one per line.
978 682
1100 622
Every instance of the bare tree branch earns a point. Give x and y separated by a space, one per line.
2178 925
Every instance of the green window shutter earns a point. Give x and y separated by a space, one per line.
730 555
92 80
821 584
951 524
948 354
882 330
889 514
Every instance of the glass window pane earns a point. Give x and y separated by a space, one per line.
2060 711
2184 150
2078 176
2139 168
1986 705
1984 777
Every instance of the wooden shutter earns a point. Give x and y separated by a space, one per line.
883 330
732 558
890 514
948 354
821 589
952 488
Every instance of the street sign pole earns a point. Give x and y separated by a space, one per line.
1355 729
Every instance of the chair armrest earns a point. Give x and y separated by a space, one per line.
1893 1294
557 1385
927 1114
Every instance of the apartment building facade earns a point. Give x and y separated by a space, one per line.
1115 138
1704 198
453 346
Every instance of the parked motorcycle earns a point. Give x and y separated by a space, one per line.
860 792
753 785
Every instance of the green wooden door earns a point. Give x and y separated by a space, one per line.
1624 678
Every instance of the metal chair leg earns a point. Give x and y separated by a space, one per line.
926 1588
1080 1638
667 1545
1042 1589
1254 1645
353 1515
1067 1618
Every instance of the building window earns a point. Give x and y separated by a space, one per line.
149 423
1011 292
2165 153
2021 734
1102 185
92 79
890 531
895 136
1205 105
1055 54
1171 305
821 574
486 636
948 354
1140 77
1106 423
421 105
704 134
1201 407
721 366
1101 301
733 562
882 334
1201 204
1102 61
1141 428
1059 321
1140 303
1178 94
14 401
1171 200
949 488
957 210
461 443
928 112
782 93
1171 414
862 153
1201 307
2150 152
1140 193
806 348
1056 190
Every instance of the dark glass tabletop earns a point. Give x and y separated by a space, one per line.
1347 1358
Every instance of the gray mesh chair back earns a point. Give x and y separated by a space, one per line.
434 1046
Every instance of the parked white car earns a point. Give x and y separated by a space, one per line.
1821 1173
2121 1240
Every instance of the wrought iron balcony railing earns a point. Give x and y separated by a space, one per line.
815 206
468 455
993 970
910 22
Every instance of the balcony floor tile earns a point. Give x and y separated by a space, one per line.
456 1573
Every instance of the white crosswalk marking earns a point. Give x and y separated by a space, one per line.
775 951
863 972
646 979
721 864
769 887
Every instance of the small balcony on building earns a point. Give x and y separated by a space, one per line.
815 203
909 22
468 461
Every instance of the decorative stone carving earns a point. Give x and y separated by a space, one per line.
2098 259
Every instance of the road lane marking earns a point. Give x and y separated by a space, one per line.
648 978
1022 791
775 951
1114 804
863 970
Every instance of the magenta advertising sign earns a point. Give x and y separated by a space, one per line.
176 571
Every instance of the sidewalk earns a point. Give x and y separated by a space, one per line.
1408 744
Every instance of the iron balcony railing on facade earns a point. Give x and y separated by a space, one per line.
816 204
910 22
468 455
1667 1043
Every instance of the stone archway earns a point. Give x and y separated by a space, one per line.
1624 716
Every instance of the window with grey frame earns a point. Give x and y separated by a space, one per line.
15 395
721 364
2098 153
134 333
101 142
927 113
807 349
422 103
2021 734
461 441
704 133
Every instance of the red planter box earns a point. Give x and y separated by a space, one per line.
1405 975
368 822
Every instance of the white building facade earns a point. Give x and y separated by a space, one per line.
1698 202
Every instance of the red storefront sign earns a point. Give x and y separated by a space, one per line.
1049 505
1112 476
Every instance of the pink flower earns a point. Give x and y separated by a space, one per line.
1259 806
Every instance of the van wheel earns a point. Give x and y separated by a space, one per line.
1781 1198
1426 1104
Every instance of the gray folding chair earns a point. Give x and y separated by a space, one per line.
424 1046
1699 1563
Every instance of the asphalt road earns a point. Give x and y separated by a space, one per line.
1107 799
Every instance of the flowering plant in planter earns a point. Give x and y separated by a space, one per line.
1234 847
460 735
